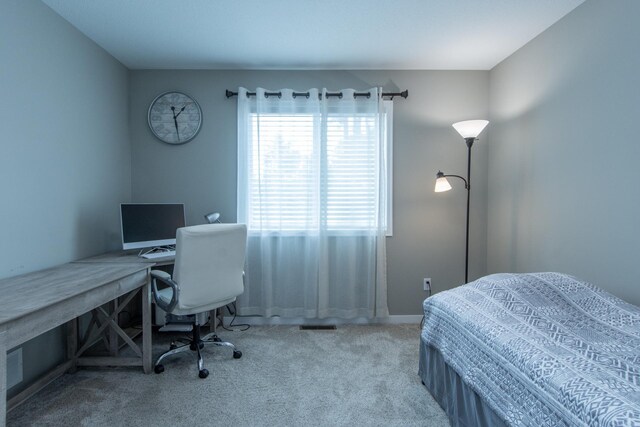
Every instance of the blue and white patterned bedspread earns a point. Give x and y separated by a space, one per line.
542 349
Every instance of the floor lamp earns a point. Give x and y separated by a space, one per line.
469 130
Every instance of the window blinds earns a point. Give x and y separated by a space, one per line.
283 173
312 166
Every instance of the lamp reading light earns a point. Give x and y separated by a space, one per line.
442 183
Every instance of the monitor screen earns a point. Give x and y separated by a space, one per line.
148 224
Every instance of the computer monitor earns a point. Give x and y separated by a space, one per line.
146 225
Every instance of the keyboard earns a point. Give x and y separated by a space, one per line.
163 254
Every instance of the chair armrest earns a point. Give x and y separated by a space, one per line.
165 278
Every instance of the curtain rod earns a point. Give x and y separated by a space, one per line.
403 94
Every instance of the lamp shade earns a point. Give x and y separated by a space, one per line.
212 217
470 128
442 184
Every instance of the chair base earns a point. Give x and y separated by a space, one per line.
196 344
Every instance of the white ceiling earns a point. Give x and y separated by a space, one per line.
312 34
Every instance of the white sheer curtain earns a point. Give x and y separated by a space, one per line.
312 189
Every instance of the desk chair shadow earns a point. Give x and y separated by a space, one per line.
208 274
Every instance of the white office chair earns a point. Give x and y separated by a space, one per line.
208 274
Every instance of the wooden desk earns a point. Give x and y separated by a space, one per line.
121 257
37 302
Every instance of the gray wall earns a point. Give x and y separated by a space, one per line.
65 162
428 236
564 150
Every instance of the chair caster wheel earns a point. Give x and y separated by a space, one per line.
158 369
203 373
237 354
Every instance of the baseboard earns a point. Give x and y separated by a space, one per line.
269 321
404 318
38 385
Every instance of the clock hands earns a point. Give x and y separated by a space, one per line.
177 131
175 119
185 126
173 109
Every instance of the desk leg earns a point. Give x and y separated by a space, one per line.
147 350
3 381
72 344
114 342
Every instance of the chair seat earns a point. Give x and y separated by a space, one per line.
166 294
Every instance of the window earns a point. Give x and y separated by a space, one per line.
283 173
352 174
314 178
310 171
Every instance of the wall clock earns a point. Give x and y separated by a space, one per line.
174 118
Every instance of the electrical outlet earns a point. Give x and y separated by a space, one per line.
426 283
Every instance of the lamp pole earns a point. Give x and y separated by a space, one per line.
446 187
469 142
469 130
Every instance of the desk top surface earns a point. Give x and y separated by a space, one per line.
27 293
122 257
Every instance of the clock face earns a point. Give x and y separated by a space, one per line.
174 117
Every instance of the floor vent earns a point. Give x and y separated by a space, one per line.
318 327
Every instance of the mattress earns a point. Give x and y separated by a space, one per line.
541 349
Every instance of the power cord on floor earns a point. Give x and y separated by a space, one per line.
239 326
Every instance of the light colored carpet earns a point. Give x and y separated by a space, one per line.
356 375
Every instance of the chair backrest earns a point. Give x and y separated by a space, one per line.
209 263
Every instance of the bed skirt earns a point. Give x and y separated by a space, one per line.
462 405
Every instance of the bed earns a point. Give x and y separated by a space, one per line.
541 349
